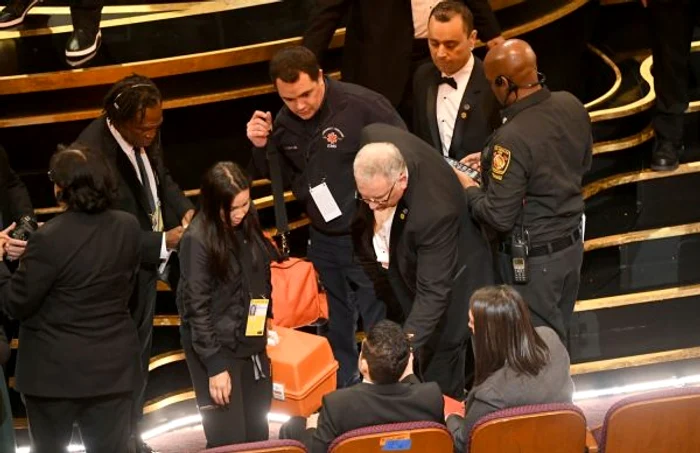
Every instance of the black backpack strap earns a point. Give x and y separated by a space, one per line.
281 221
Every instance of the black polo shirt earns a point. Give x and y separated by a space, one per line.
533 166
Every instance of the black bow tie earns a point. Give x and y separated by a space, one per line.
448 80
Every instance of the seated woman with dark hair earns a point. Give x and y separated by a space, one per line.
78 346
516 364
224 302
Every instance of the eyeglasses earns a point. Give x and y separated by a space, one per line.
380 201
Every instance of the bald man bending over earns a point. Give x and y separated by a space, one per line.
531 195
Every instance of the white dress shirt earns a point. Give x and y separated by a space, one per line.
448 103
131 154
381 238
421 13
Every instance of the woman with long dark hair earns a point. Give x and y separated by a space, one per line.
78 347
224 301
516 364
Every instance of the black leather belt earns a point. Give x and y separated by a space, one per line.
548 248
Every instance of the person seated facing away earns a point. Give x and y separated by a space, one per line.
387 393
516 364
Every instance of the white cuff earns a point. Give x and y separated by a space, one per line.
164 253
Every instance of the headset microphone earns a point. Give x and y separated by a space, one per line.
512 87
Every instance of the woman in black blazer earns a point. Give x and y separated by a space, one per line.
224 301
78 347
516 363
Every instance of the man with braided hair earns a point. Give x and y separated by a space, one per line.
128 134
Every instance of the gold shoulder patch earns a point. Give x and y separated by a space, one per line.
500 163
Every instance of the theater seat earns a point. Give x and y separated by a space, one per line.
418 437
268 446
663 421
552 428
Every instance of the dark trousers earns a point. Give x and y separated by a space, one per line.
553 286
350 293
295 429
86 14
103 422
445 365
245 418
143 312
671 26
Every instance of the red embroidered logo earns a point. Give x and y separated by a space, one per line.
332 138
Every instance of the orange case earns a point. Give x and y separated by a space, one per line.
303 370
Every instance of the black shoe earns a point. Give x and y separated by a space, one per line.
82 43
15 11
665 155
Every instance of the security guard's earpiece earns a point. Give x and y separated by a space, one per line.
503 80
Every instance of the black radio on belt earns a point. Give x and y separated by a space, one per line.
518 251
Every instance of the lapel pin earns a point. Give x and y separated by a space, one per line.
463 115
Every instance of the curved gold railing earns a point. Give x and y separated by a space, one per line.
616 85
640 105
620 144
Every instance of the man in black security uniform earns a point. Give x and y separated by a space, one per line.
532 171
317 134
671 25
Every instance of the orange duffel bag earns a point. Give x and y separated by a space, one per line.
296 295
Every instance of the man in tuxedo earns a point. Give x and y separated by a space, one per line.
387 394
128 134
454 107
415 222
385 40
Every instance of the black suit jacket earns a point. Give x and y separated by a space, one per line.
379 39
71 294
476 119
14 198
438 256
369 404
132 197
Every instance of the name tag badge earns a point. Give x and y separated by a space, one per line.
325 202
257 315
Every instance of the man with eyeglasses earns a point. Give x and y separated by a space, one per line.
317 134
415 223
